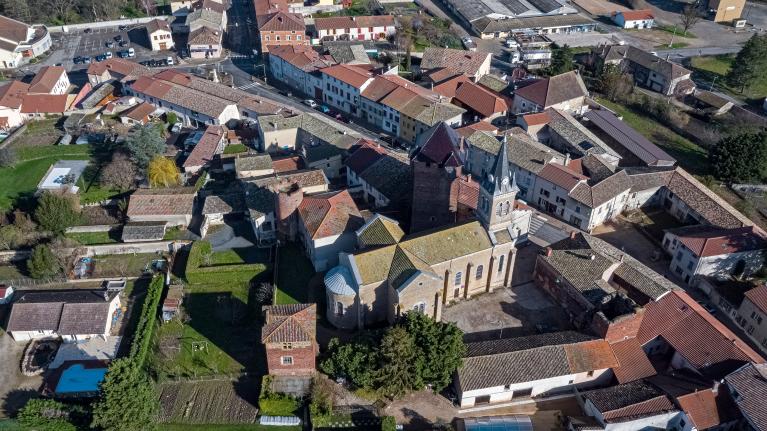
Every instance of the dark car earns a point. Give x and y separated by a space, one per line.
341 118
101 57
88 30
87 60
123 27
118 38
124 43
324 109
122 54
77 60
110 44
144 63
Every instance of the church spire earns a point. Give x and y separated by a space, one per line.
498 181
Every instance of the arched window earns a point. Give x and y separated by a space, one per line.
420 307
339 308
506 208
500 263
480 270
458 277
499 209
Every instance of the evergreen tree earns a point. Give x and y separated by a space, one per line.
740 158
561 60
750 63
43 263
128 401
145 143
440 346
400 365
56 212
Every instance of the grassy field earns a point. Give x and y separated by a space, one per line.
293 275
690 156
33 162
235 149
238 255
122 265
279 407
713 69
93 238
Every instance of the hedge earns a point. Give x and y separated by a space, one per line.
219 274
147 321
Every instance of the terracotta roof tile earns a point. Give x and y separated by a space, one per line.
294 323
758 297
45 79
561 176
282 21
553 90
329 214
12 30
707 241
206 148
44 104
468 62
365 155
483 101
161 202
632 360
352 75
537 119
12 94
701 407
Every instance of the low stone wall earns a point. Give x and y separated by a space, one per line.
102 24
94 228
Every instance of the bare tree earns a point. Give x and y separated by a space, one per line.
689 17
148 5
61 8
120 173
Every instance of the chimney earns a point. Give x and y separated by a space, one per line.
548 251
621 258
572 234
468 178
567 159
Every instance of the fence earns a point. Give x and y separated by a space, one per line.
102 24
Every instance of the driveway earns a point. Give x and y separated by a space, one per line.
15 388
626 237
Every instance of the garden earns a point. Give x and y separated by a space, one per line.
294 276
211 402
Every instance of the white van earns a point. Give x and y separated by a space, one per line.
131 52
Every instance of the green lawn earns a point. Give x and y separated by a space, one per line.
93 238
675 30
713 69
10 272
238 255
33 162
122 265
690 156
253 427
293 275
284 406
235 149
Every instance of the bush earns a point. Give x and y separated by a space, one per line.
147 321
56 212
171 118
49 415
274 404
43 263
388 424
323 398
198 272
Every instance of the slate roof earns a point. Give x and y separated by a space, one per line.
390 175
536 357
205 36
628 138
553 90
161 202
293 323
440 145
583 259
629 401
460 61
708 241
329 214
694 333
66 312
348 54
659 65
46 79
579 138
143 231
305 178
252 162
524 151
379 231
748 386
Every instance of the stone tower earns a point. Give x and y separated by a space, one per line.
497 193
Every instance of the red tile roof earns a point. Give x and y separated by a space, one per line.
561 176
589 356
449 87
294 323
15 31
287 164
632 360
553 90
480 126
300 56
468 62
758 296
46 79
12 94
537 119
483 101
119 66
443 74
329 214
646 408
205 150
693 332
157 24
347 22
151 87
717 241
282 21
636 15
468 192
44 104
354 76
701 407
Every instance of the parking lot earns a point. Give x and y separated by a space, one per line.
77 43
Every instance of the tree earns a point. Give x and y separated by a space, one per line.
740 158
55 212
354 361
440 345
749 64
561 60
120 173
10 237
43 263
689 17
171 117
162 171
399 364
128 401
388 423
144 144
7 157
614 83
50 415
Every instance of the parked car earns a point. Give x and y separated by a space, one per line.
176 127
324 109
310 103
710 308
3 135
108 54
58 64
122 54
118 38
88 30
131 52
110 44
468 43
77 60
123 27
101 57
169 61
124 43
341 118
86 60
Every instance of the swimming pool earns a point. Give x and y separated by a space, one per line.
77 378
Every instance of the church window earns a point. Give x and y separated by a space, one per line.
458 277
480 270
420 307
500 263
506 208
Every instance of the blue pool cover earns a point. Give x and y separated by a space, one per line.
499 423
77 378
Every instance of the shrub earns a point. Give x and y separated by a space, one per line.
323 398
43 263
388 424
49 415
56 212
171 117
147 321
274 404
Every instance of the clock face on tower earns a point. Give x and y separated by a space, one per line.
505 181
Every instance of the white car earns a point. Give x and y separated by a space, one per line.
131 52
310 103
468 43
170 61
176 127
108 54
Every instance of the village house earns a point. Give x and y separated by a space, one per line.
530 366
281 28
383 176
50 80
171 205
205 42
326 226
298 66
342 86
566 92
375 27
474 64
479 102
290 337
635 405
71 315
115 69
253 165
210 144
634 19
704 250
256 204
139 114
648 70
21 43
747 387
11 97
204 17
751 314
159 35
